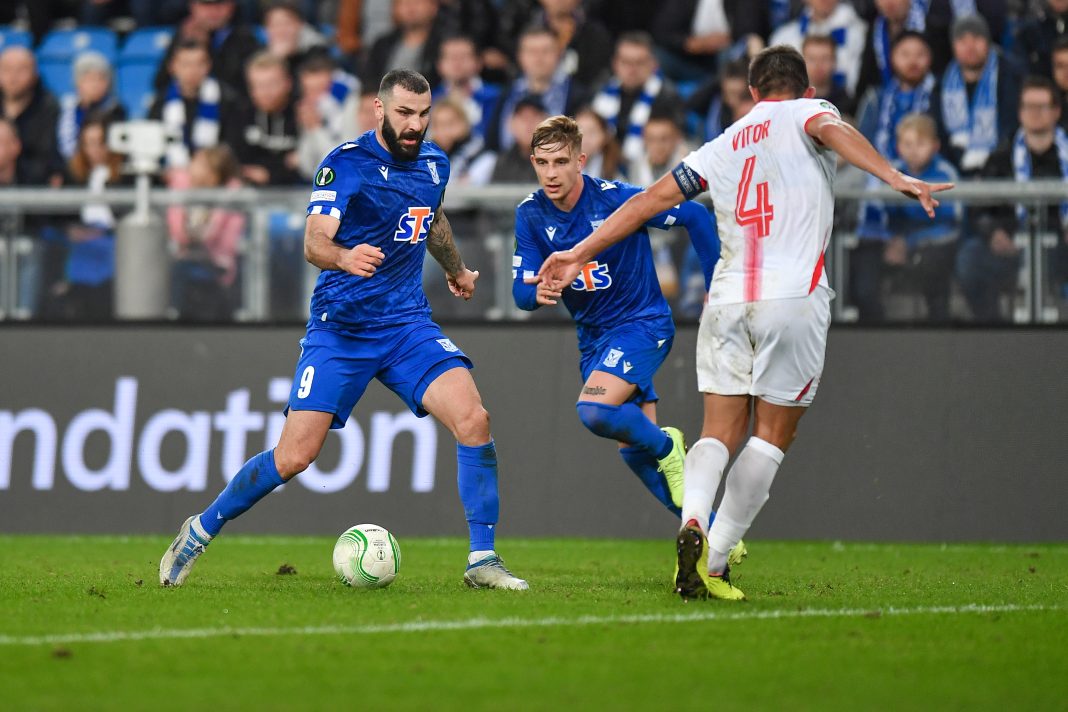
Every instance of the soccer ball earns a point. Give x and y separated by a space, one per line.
366 556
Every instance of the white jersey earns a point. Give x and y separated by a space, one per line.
772 186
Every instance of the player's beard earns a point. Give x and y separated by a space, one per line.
393 141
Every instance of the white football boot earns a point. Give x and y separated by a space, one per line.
183 552
490 572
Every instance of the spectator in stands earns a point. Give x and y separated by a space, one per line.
603 154
819 52
93 96
924 249
460 67
908 91
480 20
85 293
1036 35
230 44
513 165
1039 149
1060 75
691 33
450 128
35 113
193 104
892 18
359 24
263 133
10 148
839 21
541 76
929 18
975 105
665 147
289 36
583 40
365 114
206 239
413 44
326 112
636 90
723 100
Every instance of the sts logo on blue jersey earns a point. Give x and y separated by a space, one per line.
414 225
593 276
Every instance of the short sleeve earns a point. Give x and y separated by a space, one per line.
335 184
808 109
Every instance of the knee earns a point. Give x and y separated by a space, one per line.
292 461
473 428
593 416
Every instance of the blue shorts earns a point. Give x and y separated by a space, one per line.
632 351
334 367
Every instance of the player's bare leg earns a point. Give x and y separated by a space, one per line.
301 441
726 420
454 400
299 444
604 407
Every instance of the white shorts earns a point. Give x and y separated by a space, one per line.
771 349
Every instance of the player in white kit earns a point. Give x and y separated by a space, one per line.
763 333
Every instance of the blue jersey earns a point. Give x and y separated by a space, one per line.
383 202
620 284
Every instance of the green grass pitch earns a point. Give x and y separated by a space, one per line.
828 626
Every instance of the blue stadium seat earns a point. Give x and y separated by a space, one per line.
14 38
58 76
147 44
67 44
133 85
329 32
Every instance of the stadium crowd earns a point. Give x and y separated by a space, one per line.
259 92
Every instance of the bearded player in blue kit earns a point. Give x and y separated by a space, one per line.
624 324
374 212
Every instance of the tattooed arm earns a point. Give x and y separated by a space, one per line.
443 248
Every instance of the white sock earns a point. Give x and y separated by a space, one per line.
704 467
747 489
479 555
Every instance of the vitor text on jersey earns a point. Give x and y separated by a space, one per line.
753 133
215 444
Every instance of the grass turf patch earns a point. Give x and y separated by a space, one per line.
828 626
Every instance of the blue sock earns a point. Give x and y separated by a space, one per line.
251 484
626 424
645 467
476 478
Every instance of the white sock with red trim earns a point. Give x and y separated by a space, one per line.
704 467
747 489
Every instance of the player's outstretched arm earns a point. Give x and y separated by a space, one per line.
443 248
561 268
321 250
851 145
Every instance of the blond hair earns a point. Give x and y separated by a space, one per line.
555 133
922 124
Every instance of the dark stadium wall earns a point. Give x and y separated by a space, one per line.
915 435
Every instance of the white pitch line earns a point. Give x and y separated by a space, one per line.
481 623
